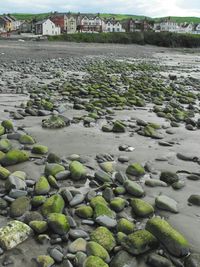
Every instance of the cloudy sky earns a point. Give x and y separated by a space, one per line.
153 8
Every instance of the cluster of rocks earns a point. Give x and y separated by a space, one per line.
108 225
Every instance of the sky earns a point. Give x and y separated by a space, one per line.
152 8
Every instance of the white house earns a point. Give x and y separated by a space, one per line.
46 27
113 26
197 29
186 28
166 26
89 23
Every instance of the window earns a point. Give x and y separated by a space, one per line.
108 29
118 29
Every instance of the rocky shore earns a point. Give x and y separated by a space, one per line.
99 158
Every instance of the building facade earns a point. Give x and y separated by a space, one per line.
60 20
47 27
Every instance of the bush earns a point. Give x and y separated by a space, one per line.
166 39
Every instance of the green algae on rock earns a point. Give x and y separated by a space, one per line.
5 145
19 206
95 249
174 242
84 212
39 226
133 188
54 122
94 261
14 156
125 226
53 169
2 130
54 204
42 186
39 149
26 140
58 223
104 237
4 173
135 169
8 125
139 242
77 170
45 261
141 208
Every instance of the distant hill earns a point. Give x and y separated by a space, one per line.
24 16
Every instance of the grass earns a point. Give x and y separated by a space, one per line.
24 16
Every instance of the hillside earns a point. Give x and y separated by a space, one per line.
24 16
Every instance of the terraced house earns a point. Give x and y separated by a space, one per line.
71 23
89 23
59 19
112 25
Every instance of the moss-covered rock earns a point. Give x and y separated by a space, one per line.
8 125
174 242
139 242
117 204
45 261
39 149
169 177
2 130
104 237
39 226
37 201
118 127
107 166
26 140
98 200
53 169
141 208
125 226
77 170
14 156
5 145
53 182
19 174
54 204
94 261
84 212
58 223
54 122
42 186
94 249
2 155
19 206
101 209
4 173
135 169
133 188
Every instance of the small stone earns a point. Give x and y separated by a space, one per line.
78 245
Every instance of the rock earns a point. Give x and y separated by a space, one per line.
169 177
103 177
123 159
26 140
30 216
58 223
42 186
155 183
5 145
3 204
139 242
77 170
45 261
107 128
193 260
101 209
14 156
52 181
193 177
97 200
125 226
54 122
13 234
53 169
39 226
19 206
78 245
172 240
104 237
79 259
56 254
76 233
8 126
156 260
108 194
117 204
118 127
37 201
39 149
53 158
14 182
54 204
77 199
133 188
178 185
194 199
15 193
166 203
84 212
141 208
135 169
94 261
4 173
123 259
108 166
2 130
106 221
94 249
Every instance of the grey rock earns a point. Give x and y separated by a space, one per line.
166 203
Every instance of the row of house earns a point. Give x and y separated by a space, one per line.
58 23
169 25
